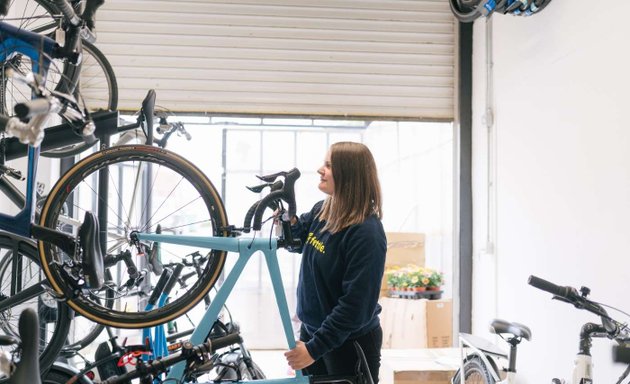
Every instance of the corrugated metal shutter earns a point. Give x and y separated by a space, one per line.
389 58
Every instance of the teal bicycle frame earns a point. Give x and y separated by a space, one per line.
245 247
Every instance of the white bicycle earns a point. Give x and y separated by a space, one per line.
481 363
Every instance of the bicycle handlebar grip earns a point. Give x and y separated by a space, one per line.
32 108
621 354
159 287
222 342
247 226
4 7
550 287
278 185
90 10
68 12
173 279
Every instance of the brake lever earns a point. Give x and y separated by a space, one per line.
259 188
272 177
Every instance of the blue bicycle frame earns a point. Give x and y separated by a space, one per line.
245 247
39 49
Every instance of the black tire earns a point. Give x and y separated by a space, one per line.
239 371
55 316
196 208
465 10
97 87
60 374
475 372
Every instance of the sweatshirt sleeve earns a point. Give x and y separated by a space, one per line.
365 247
299 230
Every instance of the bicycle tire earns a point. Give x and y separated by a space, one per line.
465 14
166 172
475 372
56 334
61 374
96 78
229 372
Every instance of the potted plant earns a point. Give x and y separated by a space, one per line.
393 278
435 280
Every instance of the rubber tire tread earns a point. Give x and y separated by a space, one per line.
474 365
228 373
132 320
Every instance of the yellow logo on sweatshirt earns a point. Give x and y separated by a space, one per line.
315 243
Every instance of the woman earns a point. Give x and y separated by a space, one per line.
343 246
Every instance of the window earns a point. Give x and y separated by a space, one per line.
415 161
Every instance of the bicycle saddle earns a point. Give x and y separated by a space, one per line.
499 326
92 254
27 370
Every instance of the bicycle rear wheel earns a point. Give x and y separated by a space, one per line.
54 316
475 372
148 187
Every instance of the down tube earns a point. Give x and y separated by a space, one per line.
202 330
281 297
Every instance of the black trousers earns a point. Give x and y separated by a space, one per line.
343 360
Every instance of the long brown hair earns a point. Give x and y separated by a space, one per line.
357 193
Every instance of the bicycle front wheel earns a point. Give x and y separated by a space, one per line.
475 372
19 270
148 188
96 87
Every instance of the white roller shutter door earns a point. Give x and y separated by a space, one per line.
361 58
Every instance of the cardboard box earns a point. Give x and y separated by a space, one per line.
417 323
439 323
419 366
403 248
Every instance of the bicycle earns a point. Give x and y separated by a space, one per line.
77 67
39 49
55 317
480 366
26 370
52 40
468 11
182 367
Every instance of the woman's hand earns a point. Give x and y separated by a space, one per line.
298 357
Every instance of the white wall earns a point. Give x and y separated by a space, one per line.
562 170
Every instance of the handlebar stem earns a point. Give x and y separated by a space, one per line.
585 337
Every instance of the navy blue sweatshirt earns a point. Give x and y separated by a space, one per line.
340 280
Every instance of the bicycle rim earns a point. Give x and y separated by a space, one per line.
54 316
475 372
176 195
